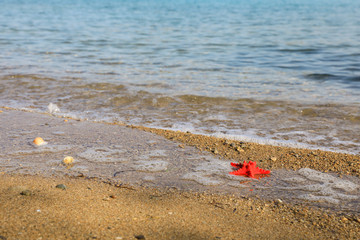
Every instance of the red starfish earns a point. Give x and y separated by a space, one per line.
248 169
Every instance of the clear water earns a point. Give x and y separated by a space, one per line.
128 156
279 72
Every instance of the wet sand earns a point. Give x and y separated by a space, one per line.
95 208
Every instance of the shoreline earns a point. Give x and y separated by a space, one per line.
93 207
267 156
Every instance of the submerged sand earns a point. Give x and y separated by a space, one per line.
99 208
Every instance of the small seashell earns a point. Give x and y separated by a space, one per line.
53 108
68 160
39 141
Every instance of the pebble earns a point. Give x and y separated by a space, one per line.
273 159
314 153
61 186
26 192
140 236
239 149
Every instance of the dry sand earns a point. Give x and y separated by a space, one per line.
31 207
89 209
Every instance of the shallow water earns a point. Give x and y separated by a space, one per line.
279 72
129 156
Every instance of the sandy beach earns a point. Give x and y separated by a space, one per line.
94 202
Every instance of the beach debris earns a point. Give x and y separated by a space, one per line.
68 160
53 108
61 186
39 141
248 169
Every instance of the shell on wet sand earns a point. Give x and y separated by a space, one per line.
68 160
39 141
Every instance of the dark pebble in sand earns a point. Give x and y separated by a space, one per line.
2 238
61 186
25 193
140 236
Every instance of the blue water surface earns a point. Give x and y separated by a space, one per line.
293 51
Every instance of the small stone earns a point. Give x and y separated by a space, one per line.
61 186
314 153
273 159
344 219
26 192
215 151
239 149
140 236
2 238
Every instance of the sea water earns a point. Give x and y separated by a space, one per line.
280 72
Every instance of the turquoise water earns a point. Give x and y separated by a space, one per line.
279 72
